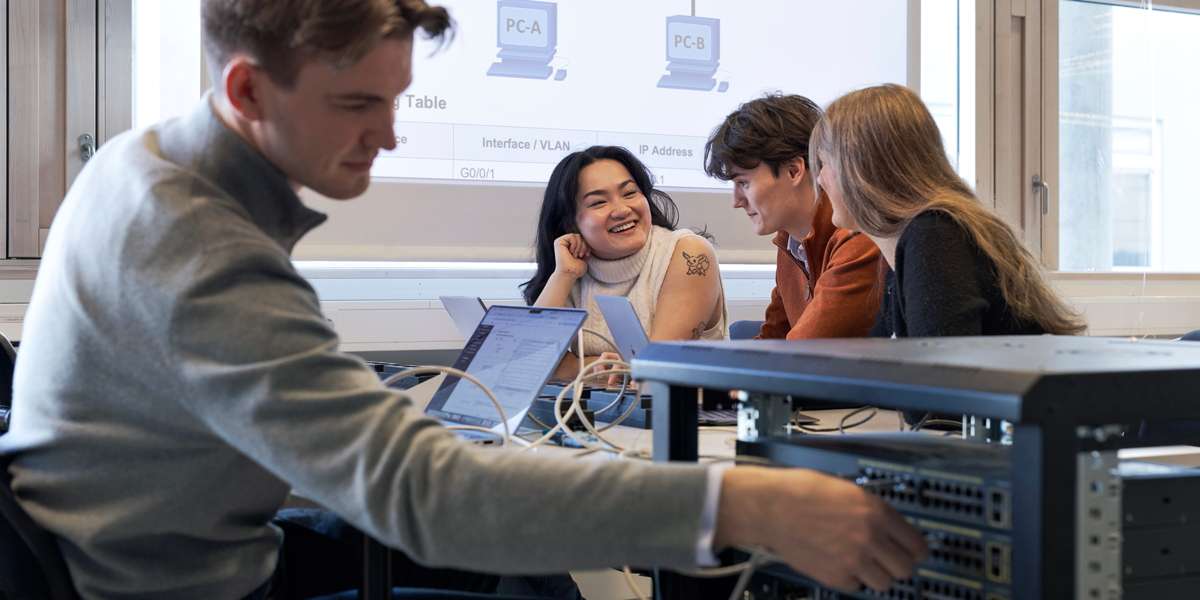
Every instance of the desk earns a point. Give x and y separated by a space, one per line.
719 442
713 443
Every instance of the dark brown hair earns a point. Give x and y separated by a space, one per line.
772 129
281 35
890 166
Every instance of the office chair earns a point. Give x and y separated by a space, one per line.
8 361
744 330
31 565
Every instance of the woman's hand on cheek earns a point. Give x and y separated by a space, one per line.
571 253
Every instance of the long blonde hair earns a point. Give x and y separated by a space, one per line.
890 165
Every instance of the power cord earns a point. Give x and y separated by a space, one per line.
842 425
632 584
759 557
507 437
575 408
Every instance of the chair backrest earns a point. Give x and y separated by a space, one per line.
8 362
31 565
744 330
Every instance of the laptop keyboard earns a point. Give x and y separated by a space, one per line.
385 370
717 417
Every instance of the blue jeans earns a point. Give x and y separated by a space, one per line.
319 560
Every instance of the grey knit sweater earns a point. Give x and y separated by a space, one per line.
176 378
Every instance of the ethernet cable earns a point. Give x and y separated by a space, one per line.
507 437
759 558
842 425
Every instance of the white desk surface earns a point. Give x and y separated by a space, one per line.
719 441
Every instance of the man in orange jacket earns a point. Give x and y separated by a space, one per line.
828 281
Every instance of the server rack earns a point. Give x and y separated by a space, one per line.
1072 402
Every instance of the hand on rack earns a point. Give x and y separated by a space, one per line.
829 529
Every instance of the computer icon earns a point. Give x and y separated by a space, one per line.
527 34
693 52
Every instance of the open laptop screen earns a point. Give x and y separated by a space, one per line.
623 324
513 352
466 312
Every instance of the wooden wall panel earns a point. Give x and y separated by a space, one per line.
52 118
51 102
985 108
115 70
1050 67
1031 119
4 128
1009 74
80 82
24 141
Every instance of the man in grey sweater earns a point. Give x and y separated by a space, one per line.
177 378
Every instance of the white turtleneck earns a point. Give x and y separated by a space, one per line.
638 277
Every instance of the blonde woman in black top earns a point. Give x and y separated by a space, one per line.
955 268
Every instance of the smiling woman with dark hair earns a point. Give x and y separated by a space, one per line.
605 230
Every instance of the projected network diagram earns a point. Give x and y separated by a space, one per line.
527 35
694 52
495 105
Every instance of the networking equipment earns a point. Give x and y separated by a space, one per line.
527 34
1055 515
959 494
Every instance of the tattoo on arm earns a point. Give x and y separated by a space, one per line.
697 265
698 330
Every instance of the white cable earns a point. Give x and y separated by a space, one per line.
514 438
747 568
576 409
577 388
612 345
752 565
633 585
463 375
603 338
759 557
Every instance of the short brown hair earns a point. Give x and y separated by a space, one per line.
772 129
281 35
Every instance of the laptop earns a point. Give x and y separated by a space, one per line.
630 338
466 312
513 351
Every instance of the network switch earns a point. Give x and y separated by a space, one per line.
1082 525
957 493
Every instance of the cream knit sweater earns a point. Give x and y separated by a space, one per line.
638 277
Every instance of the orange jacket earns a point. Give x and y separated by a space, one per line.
841 296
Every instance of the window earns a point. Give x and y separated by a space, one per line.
1129 138
167 66
948 76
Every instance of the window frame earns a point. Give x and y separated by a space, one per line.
1050 146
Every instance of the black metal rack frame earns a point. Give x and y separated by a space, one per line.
1067 398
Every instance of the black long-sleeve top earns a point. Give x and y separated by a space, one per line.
943 285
